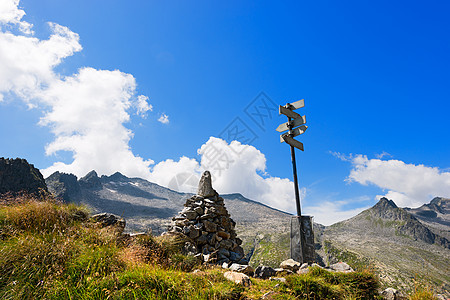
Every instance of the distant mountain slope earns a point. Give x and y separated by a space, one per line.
145 205
436 215
392 240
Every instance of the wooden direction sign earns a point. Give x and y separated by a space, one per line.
296 104
294 132
292 142
287 112
294 123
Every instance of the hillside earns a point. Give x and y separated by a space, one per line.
394 242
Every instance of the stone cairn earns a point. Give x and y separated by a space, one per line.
209 227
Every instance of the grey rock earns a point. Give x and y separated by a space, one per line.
210 226
392 294
264 272
281 271
198 210
107 219
341 267
234 256
224 234
280 279
191 215
238 278
205 188
246 269
290 264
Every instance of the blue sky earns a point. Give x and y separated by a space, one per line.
150 88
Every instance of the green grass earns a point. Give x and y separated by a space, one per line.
50 250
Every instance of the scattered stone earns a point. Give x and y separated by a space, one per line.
281 279
304 266
341 267
392 294
303 271
246 269
107 219
238 278
290 264
264 272
283 272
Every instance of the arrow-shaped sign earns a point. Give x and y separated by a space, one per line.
287 112
293 143
294 133
296 104
294 123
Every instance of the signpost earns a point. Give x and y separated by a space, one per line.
302 235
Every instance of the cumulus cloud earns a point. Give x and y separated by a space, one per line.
164 119
330 212
10 15
26 63
407 184
86 112
143 106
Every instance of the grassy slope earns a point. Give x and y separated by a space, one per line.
50 250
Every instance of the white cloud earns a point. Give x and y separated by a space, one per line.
86 111
10 14
143 106
407 184
164 119
26 63
329 212
87 114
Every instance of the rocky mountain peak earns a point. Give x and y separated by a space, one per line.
63 185
91 180
440 204
17 175
385 203
116 177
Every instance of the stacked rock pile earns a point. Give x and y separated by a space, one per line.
209 227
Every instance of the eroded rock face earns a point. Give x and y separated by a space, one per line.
17 175
206 221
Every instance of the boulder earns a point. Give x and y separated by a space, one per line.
205 188
246 269
290 264
341 267
264 272
238 278
392 294
107 219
